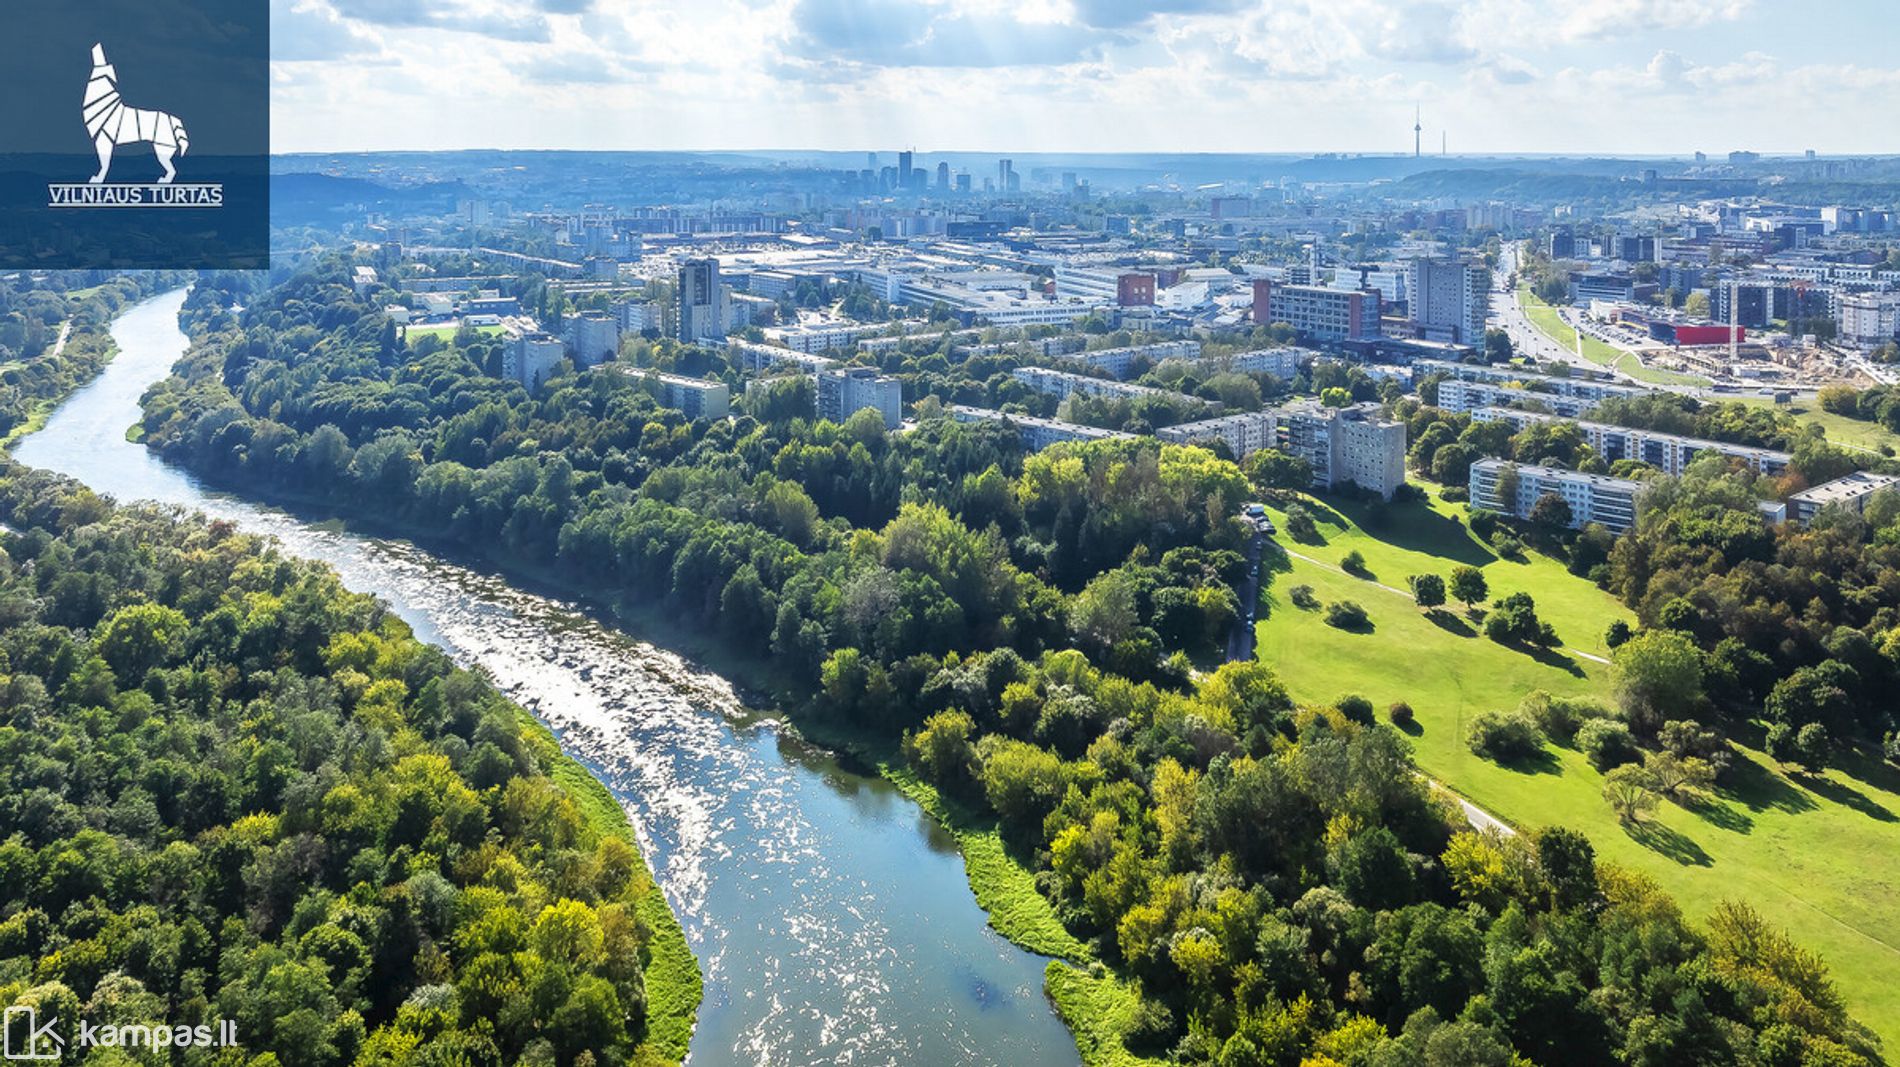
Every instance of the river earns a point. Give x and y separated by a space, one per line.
830 916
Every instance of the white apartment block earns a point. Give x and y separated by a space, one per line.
1038 434
1868 320
1245 433
755 357
1851 492
1448 299
844 391
592 337
698 398
1064 384
530 358
1121 362
1610 502
1456 394
1667 452
1352 444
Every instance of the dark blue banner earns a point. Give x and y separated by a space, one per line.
134 134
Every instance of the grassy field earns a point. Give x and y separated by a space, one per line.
445 331
1820 856
1850 433
1546 318
1099 1008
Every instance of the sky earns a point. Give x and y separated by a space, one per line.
1635 77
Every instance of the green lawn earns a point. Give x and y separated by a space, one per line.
445 331
1851 433
1820 857
1546 318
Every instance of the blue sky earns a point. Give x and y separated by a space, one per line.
1585 76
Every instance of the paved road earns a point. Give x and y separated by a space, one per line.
1240 641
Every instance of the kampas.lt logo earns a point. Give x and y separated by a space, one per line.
26 1038
111 124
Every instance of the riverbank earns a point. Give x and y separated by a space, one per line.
1095 1005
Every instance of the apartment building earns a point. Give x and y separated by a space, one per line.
1318 312
1346 445
1667 452
1122 362
530 358
844 391
1512 489
1456 394
1851 492
1064 384
698 398
1245 433
1038 434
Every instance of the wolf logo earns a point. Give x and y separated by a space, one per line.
111 124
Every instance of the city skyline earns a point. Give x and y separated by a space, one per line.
1627 77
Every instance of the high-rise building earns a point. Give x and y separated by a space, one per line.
904 160
844 391
1346 445
1318 312
943 177
530 358
1448 299
701 311
963 181
592 337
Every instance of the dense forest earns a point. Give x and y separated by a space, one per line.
1044 633
234 790
36 368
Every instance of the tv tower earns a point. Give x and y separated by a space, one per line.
1417 129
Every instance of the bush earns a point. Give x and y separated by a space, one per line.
1356 708
1689 740
1607 743
1300 525
1890 748
1347 615
1354 562
1457 494
1560 717
1302 597
1400 715
1504 736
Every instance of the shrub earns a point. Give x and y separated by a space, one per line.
1560 717
1400 714
1890 748
1302 597
1356 708
1300 525
1347 615
1630 791
1354 562
1689 740
1607 743
1504 736
1457 494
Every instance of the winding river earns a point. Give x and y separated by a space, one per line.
830 916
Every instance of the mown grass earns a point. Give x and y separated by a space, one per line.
446 331
1852 433
673 981
1819 855
1545 318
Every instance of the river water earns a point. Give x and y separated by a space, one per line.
830 916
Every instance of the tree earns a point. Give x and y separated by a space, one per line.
1354 562
1677 777
1550 515
1657 676
1300 525
1335 397
1497 346
1428 590
1805 747
1468 586
1346 615
1504 736
1272 469
941 751
1630 792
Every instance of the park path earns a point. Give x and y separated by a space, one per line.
1407 594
